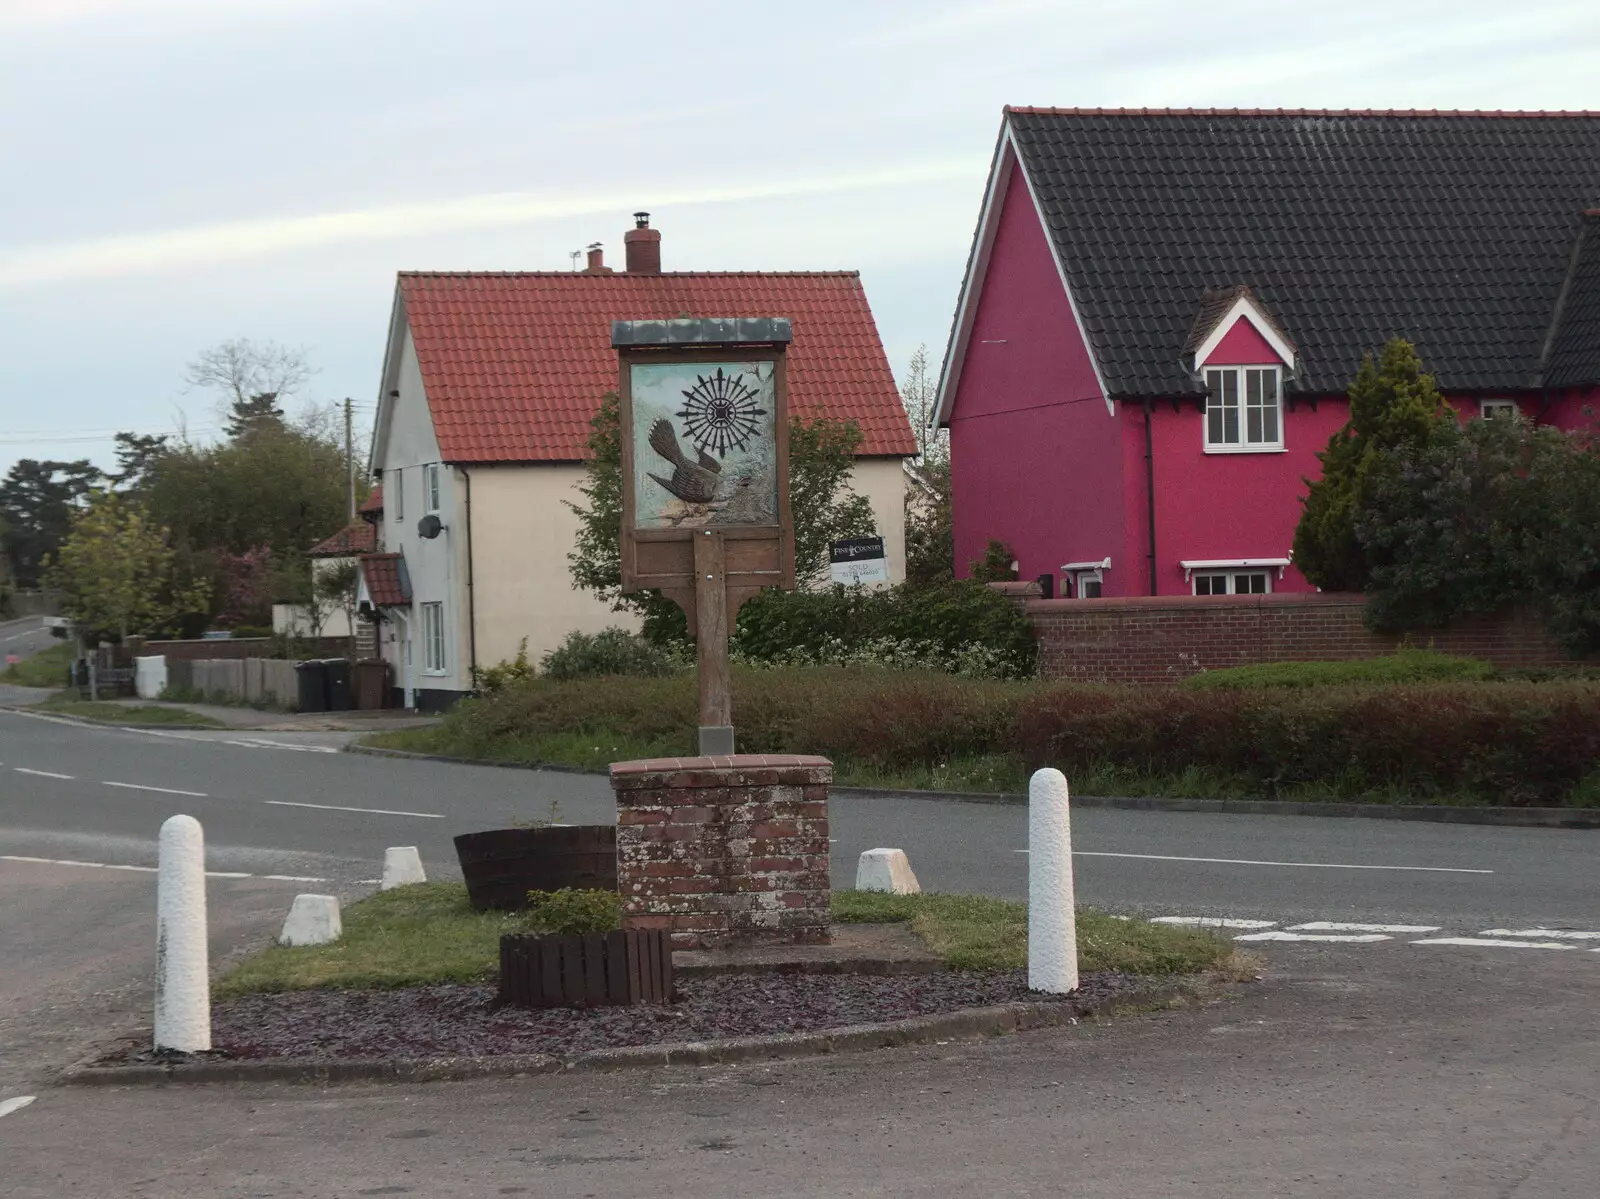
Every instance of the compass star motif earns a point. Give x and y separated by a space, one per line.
719 412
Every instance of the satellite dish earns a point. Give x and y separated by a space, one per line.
429 527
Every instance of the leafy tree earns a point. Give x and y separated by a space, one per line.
998 564
1481 518
1392 403
335 587
37 503
137 456
930 535
919 392
824 506
116 571
246 587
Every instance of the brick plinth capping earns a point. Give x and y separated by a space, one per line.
1162 639
724 850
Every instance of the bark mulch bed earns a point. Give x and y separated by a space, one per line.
454 1020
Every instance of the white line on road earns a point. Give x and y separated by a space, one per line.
1166 857
328 807
1212 922
1494 943
1358 938
15 1104
1560 934
162 790
305 749
49 774
278 878
1333 926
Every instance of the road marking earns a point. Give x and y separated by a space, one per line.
279 878
305 749
162 790
1212 922
1494 943
1332 926
1167 857
1561 934
328 807
49 774
15 1104
1275 935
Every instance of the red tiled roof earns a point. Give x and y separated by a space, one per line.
514 365
357 537
386 580
374 502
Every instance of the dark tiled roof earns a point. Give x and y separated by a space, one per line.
388 581
1214 305
1575 342
514 365
357 537
1454 230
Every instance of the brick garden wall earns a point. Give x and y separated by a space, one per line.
1161 639
724 850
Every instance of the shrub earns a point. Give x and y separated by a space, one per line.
574 912
489 679
611 651
1402 666
958 626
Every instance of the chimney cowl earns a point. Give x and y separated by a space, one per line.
642 247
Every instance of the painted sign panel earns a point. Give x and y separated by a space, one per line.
858 560
705 450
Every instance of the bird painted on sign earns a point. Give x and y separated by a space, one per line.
691 482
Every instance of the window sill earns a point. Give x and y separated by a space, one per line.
1246 449
436 674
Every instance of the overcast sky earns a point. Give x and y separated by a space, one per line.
180 172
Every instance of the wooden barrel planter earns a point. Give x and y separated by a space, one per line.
502 866
594 970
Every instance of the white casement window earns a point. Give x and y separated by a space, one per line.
1086 584
399 486
1244 409
1498 409
430 487
1232 582
433 638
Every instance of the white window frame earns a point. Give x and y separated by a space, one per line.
1232 577
433 655
430 488
1498 409
399 495
1085 572
1082 577
1216 378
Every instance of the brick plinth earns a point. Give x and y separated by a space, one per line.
724 850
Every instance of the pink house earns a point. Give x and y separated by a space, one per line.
1162 311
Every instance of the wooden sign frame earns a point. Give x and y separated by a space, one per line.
709 571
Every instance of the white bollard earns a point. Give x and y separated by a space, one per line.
402 866
886 870
183 978
1052 916
313 920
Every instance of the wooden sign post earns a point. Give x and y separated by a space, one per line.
705 479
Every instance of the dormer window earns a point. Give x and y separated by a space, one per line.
1244 409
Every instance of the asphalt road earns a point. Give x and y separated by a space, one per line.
289 804
24 638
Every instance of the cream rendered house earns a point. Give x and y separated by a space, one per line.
489 383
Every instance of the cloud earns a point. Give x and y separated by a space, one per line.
206 245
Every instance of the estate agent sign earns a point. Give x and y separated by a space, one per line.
705 471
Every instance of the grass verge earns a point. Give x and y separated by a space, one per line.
47 668
429 933
128 713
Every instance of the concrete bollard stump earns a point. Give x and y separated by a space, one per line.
1052 915
886 870
313 920
402 866
183 976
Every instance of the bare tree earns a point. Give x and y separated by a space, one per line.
919 392
250 380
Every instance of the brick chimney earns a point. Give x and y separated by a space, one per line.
643 246
597 261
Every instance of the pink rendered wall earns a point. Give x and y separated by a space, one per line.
1241 345
1033 451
